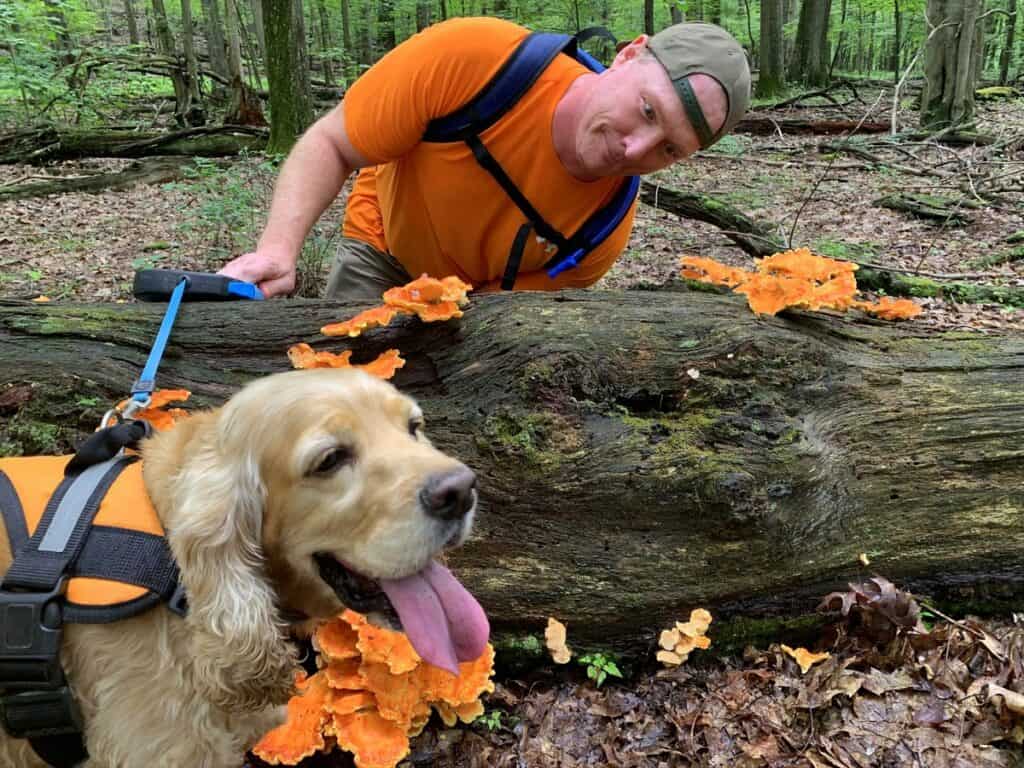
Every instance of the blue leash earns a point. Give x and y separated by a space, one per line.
142 389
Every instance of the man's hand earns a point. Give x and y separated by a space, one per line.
273 271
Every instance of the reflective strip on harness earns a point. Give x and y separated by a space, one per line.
39 569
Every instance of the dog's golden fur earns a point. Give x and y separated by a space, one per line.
245 510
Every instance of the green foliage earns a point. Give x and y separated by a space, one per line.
599 666
226 205
491 720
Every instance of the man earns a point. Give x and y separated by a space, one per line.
567 143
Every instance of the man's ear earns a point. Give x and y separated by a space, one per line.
631 50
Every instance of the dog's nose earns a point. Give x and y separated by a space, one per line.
449 495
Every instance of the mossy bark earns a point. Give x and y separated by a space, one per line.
639 453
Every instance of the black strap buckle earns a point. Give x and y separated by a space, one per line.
35 699
31 628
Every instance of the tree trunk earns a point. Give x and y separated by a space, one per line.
810 63
951 59
675 12
346 41
424 11
639 454
367 37
245 107
771 78
260 28
326 44
179 77
841 42
216 48
897 39
133 24
291 101
386 38
649 17
1007 54
714 11
195 115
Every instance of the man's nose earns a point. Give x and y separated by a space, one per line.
642 143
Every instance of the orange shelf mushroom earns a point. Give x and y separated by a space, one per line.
383 366
427 297
796 278
371 695
155 413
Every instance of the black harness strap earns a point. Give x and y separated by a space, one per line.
134 557
532 215
14 516
508 280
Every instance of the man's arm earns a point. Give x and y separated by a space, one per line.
310 180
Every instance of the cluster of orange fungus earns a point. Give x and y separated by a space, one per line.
428 298
796 278
372 693
384 366
159 417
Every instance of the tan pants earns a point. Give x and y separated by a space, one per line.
360 271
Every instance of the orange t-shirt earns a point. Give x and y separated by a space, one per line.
430 204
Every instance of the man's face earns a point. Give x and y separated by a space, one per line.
633 123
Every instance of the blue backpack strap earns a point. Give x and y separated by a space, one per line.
516 76
596 229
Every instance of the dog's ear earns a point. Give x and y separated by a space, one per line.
239 650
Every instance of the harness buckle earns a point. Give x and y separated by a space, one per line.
34 696
177 603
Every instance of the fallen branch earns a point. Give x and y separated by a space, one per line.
752 237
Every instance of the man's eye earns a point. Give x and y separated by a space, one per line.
415 425
671 151
648 111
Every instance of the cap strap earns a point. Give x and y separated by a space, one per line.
693 111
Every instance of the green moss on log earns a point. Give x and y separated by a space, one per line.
924 288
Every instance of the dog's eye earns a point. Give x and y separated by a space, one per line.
333 461
415 425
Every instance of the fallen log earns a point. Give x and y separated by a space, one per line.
156 171
766 126
48 143
639 453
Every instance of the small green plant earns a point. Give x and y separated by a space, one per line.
928 619
599 666
491 720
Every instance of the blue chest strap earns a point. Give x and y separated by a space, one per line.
516 76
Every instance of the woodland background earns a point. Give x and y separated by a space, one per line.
141 134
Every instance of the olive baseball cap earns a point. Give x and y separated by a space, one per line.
694 48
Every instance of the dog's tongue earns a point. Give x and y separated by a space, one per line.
444 623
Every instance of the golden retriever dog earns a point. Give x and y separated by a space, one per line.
308 492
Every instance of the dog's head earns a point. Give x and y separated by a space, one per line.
309 492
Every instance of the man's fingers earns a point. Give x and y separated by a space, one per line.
279 286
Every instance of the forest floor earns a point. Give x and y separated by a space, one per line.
888 695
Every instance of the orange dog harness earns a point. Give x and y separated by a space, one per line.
125 565
87 547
